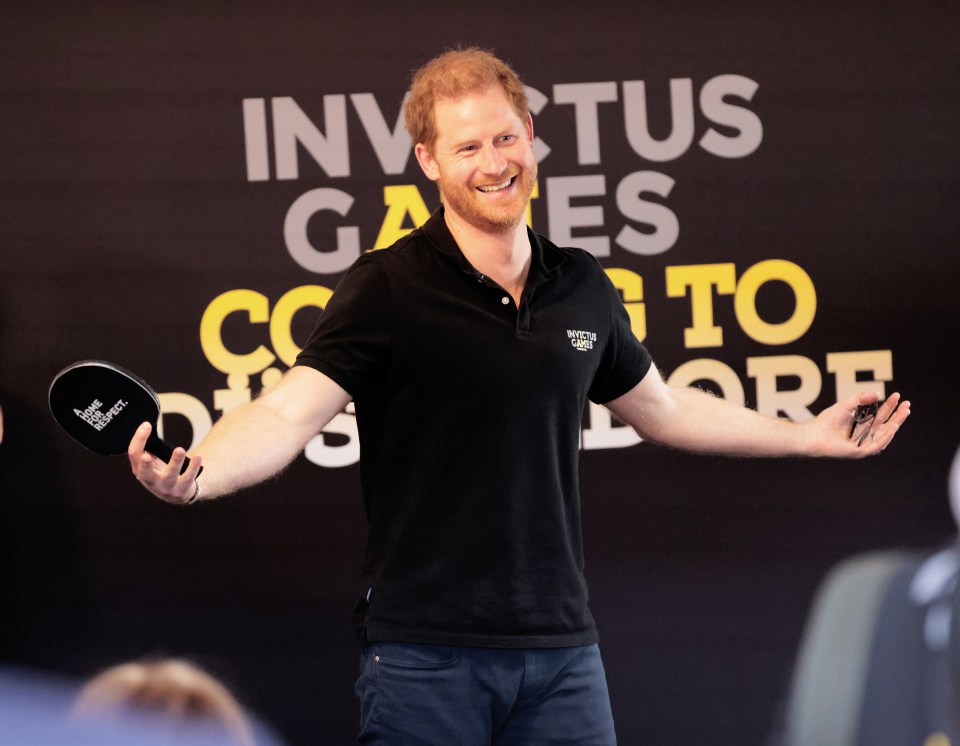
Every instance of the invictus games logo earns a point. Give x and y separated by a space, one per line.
96 417
581 340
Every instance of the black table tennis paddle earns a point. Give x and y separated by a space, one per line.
101 405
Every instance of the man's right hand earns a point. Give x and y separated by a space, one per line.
249 444
159 477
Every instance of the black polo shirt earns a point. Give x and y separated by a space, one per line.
469 411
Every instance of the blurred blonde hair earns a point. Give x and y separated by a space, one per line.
174 689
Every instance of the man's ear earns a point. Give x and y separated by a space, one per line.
530 128
427 163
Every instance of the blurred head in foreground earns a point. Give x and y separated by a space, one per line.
954 489
170 694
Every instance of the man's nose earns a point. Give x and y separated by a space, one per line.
492 161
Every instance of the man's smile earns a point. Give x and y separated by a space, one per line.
497 187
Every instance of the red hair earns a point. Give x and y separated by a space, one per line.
452 75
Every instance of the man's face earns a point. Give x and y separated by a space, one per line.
482 160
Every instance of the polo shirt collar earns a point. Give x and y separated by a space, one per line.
545 257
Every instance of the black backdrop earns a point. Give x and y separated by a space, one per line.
811 154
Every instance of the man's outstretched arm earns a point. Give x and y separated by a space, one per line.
248 444
693 420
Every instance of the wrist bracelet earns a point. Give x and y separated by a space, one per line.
196 495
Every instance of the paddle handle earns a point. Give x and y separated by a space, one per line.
162 451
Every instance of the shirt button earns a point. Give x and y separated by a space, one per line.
505 300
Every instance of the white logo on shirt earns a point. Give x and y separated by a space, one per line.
581 340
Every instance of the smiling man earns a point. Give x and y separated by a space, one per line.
470 348
474 137
481 156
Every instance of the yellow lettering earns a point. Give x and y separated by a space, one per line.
211 325
401 201
281 319
533 195
805 295
701 279
630 285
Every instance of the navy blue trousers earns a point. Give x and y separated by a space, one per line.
438 695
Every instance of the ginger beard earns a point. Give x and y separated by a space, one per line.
493 211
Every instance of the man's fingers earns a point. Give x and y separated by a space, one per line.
135 450
188 480
893 421
889 422
864 397
161 478
888 407
891 409
176 487
175 464
169 482
172 473
193 471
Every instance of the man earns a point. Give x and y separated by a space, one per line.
470 348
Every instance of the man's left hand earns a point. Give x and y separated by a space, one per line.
833 426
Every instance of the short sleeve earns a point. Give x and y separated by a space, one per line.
624 361
351 342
